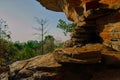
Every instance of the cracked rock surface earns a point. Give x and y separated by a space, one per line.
92 53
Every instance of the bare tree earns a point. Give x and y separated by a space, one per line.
41 30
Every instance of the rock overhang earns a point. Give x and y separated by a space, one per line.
92 16
79 10
57 5
51 5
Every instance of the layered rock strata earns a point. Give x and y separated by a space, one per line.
37 68
92 17
93 53
89 62
83 35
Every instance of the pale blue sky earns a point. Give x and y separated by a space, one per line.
19 15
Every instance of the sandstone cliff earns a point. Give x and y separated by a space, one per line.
92 53
94 17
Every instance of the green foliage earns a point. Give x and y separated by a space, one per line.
66 27
12 51
4 43
7 50
26 53
25 50
49 43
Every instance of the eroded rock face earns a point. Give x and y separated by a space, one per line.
81 10
111 35
51 4
95 18
91 16
78 63
79 55
92 53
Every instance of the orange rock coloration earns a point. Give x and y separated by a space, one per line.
110 2
92 53
92 17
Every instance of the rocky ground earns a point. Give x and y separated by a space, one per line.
92 53
89 62
4 72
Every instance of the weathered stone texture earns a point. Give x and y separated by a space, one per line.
111 35
88 62
37 68
92 53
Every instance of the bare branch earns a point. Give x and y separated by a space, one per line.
41 28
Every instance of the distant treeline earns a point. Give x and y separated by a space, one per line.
13 51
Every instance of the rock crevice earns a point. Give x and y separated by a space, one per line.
92 53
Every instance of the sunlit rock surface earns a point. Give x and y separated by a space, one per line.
79 55
37 68
88 62
92 53
91 16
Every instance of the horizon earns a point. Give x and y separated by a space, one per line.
19 16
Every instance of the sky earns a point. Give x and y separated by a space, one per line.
20 17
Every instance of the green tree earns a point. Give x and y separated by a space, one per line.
49 43
27 50
66 27
4 37
19 45
33 44
9 51
25 53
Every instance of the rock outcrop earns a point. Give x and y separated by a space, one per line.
89 62
37 68
93 17
4 72
79 55
92 53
